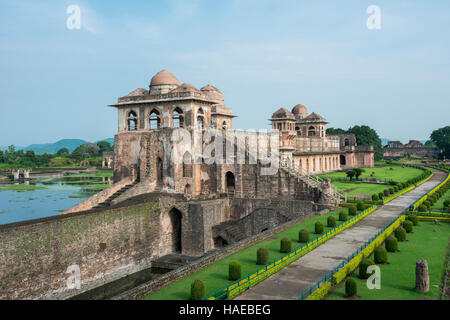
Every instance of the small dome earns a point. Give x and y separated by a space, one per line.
137 92
184 87
210 88
212 92
300 110
315 116
164 77
283 113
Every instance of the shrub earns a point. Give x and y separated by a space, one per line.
343 216
386 192
408 226
381 195
375 197
446 203
352 211
318 227
262 256
391 244
198 290
350 287
427 203
303 236
413 218
391 190
380 255
234 271
363 268
359 205
331 222
422 208
400 234
285 245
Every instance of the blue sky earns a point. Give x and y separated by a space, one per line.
263 55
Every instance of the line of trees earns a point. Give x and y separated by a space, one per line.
29 159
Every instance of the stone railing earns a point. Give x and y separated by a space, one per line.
173 95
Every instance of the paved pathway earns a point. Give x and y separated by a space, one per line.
290 282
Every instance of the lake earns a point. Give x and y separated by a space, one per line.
49 196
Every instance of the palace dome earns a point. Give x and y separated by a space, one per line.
212 92
283 113
300 110
184 88
164 77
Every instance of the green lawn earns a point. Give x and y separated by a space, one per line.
439 205
215 276
428 241
395 173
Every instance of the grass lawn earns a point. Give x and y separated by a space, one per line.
439 205
215 276
428 241
397 174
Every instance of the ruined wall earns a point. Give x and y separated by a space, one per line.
408 152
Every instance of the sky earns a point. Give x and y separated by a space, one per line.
56 82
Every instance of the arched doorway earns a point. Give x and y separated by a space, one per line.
230 182
175 217
342 160
187 190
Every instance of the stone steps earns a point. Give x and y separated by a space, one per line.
108 201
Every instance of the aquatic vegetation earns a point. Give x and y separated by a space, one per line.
20 187
2 211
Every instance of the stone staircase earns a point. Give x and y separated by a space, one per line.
108 201
313 181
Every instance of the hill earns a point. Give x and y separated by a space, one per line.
70 144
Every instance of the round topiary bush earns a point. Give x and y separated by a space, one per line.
343 216
350 287
198 290
262 256
381 195
380 255
422 208
285 245
375 197
318 227
359 205
331 222
400 234
413 218
303 236
352 211
363 268
391 244
408 226
234 271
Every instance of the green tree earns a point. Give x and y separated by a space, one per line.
104 146
86 150
11 149
331 131
441 137
358 172
366 136
350 173
62 151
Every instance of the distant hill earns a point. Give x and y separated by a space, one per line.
70 144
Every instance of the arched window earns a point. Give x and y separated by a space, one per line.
299 132
200 119
311 131
346 142
187 165
132 121
155 120
224 125
177 117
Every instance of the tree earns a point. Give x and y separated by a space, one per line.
441 137
366 136
350 173
11 149
104 146
86 150
331 131
430 144
62 151
358 172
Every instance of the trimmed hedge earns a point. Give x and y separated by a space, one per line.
303 236
391 244
350 287
234 271
285 245
318 228
363 268
331 222
198 290
408 226
380 255
359 205
343 216
352 211
400 234
262 256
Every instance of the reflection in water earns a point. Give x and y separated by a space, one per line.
38 199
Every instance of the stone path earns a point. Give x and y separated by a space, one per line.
290 282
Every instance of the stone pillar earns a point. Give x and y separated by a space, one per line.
16 175
26 174
422 277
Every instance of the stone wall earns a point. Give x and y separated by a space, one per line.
408 152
